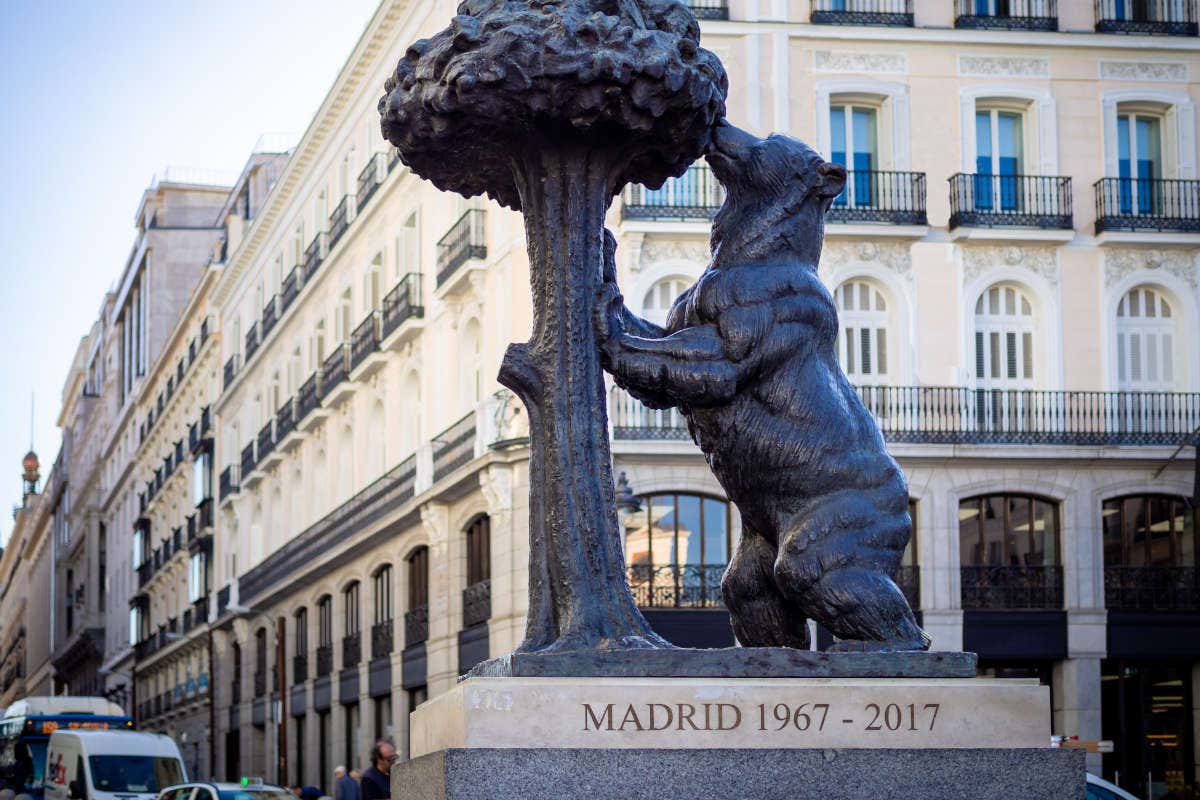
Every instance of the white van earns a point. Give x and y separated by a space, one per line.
111 765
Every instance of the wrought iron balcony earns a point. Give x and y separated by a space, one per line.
285 419
324 660
1164 17
191 527
955 415
1138 204
676 586
251 341
269 316
308 397
696 194
477 603
231 367
223 598
235 691
187 620
248 459
454 447
416 626
365 339
465 240
292 284
370 178
896 198
1022 201
381 638
314 254
1012 15
895 13
204 515
1152 588
200 611
1011 588
351 650
266 441
228 482
632 420
908 578
335 370
709 9
144 571
300 668
260 683
339 220
402 303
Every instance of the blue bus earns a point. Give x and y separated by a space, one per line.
25 731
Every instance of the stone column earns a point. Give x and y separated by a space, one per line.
506 626
1076 690
937 554
441 650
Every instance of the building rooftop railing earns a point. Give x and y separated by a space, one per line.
1023 201
1012 15
465 240
893 13
1141 204
709 9
1160 17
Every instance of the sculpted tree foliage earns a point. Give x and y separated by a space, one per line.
551 108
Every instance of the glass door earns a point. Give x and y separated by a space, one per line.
855 145
999 160
1139 162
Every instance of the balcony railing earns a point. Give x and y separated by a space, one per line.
676 586
200 611
269 316
897 198
308 397
247 459
324 660
339 220
381 638
477 603
260 683
365 339
1024 201
863 12
402 303
292 284
1012 588
314 254
335 370
954 415
223 598
908 578
251 341
300 668
351 650
416 626
1165 17
228 481
696 194
709 9
1012 15
266 441
454 447
1141 204
144 571
231 367
1152 588
632 420
465 240
370 178
285 419
204 515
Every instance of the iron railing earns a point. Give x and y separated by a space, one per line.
477 603
370 178
863 12
231 367
709 9
1012 588
247 459
339 220
223 598
402 303
1012 15
365 339
260 683
955 415
454 447
381 638
632 420
309 395
676 585
897 198
270 316
908 578
1140 204
235 691
1152 588
465 240
266 441
696 194
1027 201
1165 17
204 515
335 370
292 284
324 660
251 341
351 650
314 254
285 419
300 668
228 481
416 626
200 611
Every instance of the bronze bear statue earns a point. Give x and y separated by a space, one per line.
747 355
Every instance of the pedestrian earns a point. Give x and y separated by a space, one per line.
307 792
345 787
376 779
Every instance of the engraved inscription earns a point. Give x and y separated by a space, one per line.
803 717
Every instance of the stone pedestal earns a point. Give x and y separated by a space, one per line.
594 738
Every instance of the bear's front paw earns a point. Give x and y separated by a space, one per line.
607 313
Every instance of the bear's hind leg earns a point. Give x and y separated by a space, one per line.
760 615
865 610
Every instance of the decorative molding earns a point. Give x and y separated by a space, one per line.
1119 264
1161 71
1040 261
1004 66
496 484
895 256
846 61
692 250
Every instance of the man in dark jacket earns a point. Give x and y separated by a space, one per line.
376 779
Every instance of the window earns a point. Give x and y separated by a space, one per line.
197 576
1139 160
383 717
353 613
471 385
102 568
202 471
1004 326
408 248
479 550
1153 530
656 305
676 549
345 323
1145 341
999 158
854 143
862 340
418 578
373 285
383 594
301 745
1008 530
70 606
325 621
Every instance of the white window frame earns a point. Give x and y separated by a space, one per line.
892 125
1040 124
872 320
1178 129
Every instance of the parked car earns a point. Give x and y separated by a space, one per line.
248 789
111 765
1100 789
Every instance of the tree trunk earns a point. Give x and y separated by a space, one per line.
578 594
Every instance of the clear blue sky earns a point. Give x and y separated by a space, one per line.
94 99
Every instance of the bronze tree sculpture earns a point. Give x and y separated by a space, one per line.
551 108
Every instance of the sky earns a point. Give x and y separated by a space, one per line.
95 98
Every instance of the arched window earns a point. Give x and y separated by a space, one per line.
1145 341
260 662
324 636
656 305
300 658
381 627
1004 325
1140 158
416 619
235 690
862 342
1149 530
854 143
470 380
352 633
676 549
1009 552
477 597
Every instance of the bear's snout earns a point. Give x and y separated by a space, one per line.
833 180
